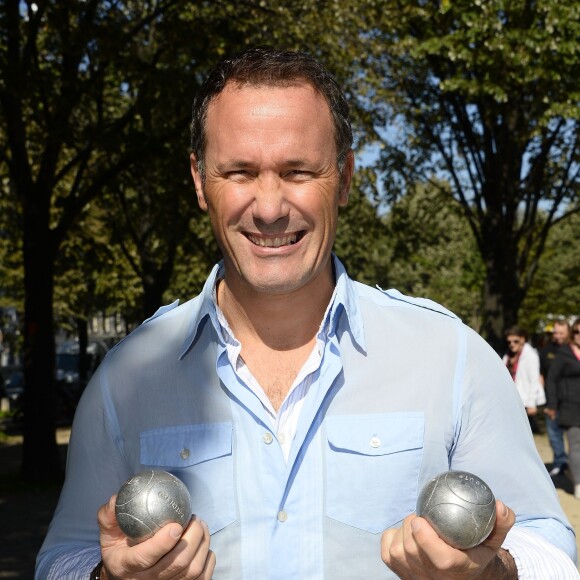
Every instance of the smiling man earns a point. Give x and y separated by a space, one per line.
272 186
284 396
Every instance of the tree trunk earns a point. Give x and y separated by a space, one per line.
40 457
498 313
84 361
502 295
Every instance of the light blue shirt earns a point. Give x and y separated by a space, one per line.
404 392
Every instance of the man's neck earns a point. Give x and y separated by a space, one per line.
280 322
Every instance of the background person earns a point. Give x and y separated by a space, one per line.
560 337
285 395
523 363
563 389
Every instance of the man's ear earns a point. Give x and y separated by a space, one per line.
198 181
346 178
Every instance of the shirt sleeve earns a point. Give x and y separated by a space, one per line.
95 471
72 565
536 558
493 437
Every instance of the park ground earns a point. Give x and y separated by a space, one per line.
25 511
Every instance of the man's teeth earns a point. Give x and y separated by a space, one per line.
274 242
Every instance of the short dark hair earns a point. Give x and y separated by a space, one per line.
562 322
266 66
516 331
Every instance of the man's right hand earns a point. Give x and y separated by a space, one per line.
170 554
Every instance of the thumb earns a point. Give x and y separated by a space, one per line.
111 534
504 520
153 549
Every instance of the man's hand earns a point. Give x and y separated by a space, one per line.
415 551
169 554
552 413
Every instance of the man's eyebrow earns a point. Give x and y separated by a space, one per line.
296 162
232 164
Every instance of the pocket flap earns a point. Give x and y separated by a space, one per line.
375 434
185 445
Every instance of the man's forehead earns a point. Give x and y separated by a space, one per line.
289 118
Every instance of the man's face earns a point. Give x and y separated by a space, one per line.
272 185
515 343
560 334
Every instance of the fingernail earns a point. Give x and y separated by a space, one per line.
416 524
504 509
175 531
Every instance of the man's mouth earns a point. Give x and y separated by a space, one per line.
275 242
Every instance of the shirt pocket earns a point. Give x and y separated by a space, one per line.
372 468
201 456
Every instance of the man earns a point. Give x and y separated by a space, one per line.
560 336
281 395
562 388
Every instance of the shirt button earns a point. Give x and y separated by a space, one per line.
267 438
282 516
375 442
184 453
281 438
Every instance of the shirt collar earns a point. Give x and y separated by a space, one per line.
344 300
203 309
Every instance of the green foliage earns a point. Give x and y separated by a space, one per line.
554 293
196 255
433 252
11 269
91 277
361 242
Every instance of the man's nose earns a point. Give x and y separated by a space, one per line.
270 203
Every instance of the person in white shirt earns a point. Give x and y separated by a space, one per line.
523 363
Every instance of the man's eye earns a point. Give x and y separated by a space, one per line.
238 174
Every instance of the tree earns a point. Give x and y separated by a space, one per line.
361 240
91 277
432 252
554 293
483 95
151 219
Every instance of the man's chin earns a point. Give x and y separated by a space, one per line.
275 288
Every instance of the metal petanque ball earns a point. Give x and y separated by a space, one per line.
460 507
148 501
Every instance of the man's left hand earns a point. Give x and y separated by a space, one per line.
415 551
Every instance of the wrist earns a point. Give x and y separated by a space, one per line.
501 567
97 573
